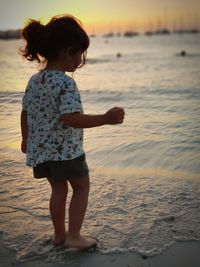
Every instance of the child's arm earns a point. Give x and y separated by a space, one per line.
78 120
24 130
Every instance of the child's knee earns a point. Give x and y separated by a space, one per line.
80 184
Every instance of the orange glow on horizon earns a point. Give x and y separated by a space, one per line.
105 16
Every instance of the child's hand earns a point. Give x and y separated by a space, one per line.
23 146
114 115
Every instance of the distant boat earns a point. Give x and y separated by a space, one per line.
148 33
162 32
108 35
180 31
10 34
193 31
130 34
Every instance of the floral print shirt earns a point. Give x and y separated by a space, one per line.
48 95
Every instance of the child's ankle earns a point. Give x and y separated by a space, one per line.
73 235
60 234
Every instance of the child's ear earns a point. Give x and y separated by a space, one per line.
65 52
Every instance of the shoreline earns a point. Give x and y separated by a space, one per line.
181 254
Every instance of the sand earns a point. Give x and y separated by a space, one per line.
181 254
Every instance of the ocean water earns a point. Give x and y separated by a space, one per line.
145 173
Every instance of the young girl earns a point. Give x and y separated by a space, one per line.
52 122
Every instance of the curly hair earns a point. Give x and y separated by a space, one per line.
46 41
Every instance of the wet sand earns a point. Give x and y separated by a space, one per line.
182 254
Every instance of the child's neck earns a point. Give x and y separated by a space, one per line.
54 66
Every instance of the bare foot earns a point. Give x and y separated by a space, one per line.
80 242
57 241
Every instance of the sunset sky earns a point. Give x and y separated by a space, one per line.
105 15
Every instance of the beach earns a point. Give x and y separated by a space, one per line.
144 204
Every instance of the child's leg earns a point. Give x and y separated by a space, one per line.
77 211
57 206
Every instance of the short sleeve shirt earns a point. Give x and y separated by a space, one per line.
48 95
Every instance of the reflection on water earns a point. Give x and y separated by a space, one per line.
158 92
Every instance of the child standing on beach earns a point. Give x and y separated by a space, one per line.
52 122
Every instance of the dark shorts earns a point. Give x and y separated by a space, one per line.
60 170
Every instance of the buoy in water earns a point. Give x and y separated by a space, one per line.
183 53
